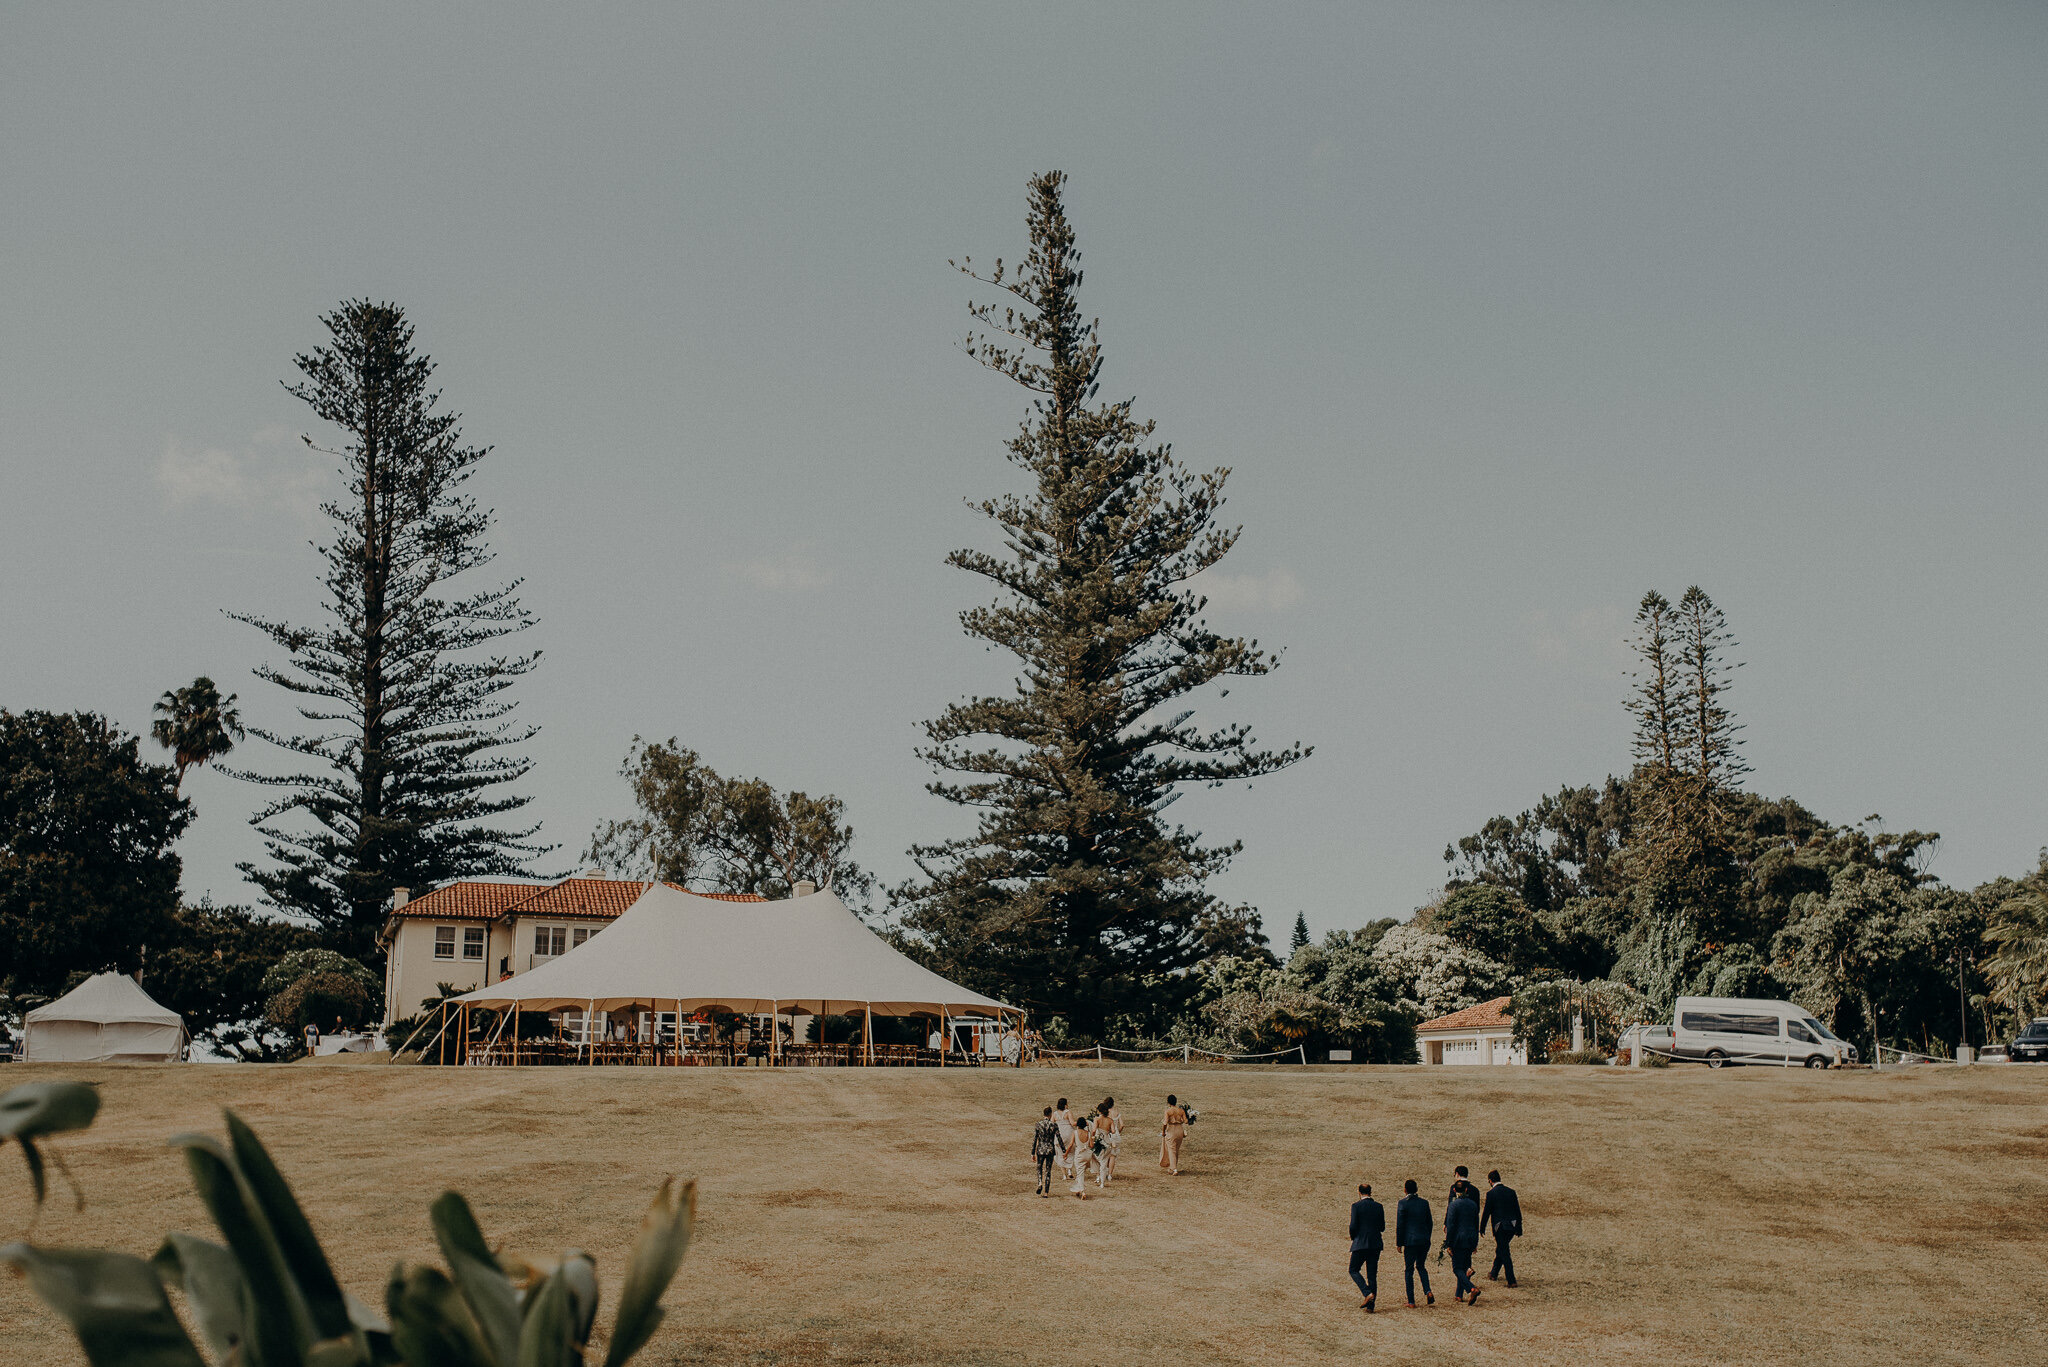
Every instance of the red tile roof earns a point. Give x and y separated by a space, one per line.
594 898
469 901
1491 1015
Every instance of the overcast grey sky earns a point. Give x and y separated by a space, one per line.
1502 314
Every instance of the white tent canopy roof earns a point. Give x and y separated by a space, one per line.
672 950
105 1018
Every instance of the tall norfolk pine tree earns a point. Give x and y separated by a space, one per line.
1073 896
410 736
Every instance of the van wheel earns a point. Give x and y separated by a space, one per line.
1816 1062
1715 1058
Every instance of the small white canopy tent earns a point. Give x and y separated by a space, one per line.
672 951
105 1019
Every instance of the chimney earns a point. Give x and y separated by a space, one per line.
399 897
804 888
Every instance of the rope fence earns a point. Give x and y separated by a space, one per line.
1188 1052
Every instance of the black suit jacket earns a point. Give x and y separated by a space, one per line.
1503 1210
1368 1225
1413 1227
1461 1223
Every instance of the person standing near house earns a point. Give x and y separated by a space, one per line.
1173 1131
1045 1146
1461 1237
1413 1231
1368 1237
1503 1210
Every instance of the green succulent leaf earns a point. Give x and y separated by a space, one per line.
114 1303
657 1253
484 1286
548 1338
293 1233
213 1283
35 1109
579 1274
279 1329
430 1325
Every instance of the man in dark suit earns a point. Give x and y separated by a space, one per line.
1503 1210
1413 1230
1461 1237
1368 1226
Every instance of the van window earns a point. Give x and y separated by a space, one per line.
1797 1030
1754 1025
1818 1028
1729 1023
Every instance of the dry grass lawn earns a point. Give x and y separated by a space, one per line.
887 1216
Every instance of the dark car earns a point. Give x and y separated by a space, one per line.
2031 1044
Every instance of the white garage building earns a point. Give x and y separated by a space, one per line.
1479 1034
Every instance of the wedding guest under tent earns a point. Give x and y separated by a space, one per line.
108 1018
636 993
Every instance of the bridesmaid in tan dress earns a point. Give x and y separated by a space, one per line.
1173 1128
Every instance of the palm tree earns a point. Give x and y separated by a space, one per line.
2019 969
196 724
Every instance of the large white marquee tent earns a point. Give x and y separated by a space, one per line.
107 1018
672 951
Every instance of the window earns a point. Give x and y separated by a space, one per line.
1729 1023
1798 1031
444 942
1820 1031
579 935
473 942
549 940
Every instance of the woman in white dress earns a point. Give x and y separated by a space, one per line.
1064 1118
1111 1127
1080 1147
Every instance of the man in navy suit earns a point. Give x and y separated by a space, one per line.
1368 1226
1461 1237
1503 1210
1413 1230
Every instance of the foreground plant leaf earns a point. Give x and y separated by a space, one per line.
36 1109
430 1324
489 1295
279 1329
657 1252
292 1232
114 1302
548 1337
214 1284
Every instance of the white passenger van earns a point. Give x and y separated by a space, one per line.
1719 1030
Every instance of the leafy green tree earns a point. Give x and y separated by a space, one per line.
1073 895
87 873
1494 922
409 736
211 969
727 834
1853 956
1433 975
1568 846
2017 936
196 724
1299 940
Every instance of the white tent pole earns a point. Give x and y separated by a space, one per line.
589 1049
867 1033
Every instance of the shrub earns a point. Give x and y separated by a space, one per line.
319 999
1578 1056
269 1295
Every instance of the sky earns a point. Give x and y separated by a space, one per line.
1500 315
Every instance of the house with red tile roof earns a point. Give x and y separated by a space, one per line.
474 932
1479 1034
